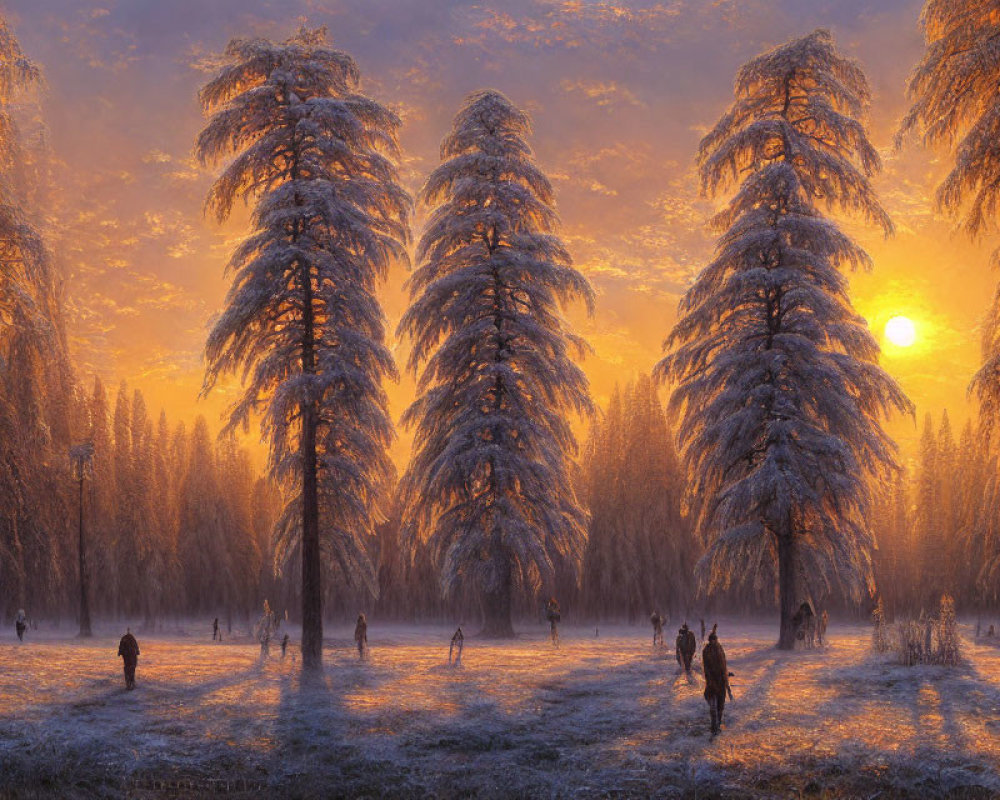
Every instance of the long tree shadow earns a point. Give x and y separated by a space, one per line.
889 730
324 747
575 734
585 724
107 740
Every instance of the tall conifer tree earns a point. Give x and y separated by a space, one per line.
302 323
776 375
956 105
489 482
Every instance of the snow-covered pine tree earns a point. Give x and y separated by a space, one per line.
236 476
927 525
204 550
34 386
489 480
976 479
955 104
894 563
640 548
776 376
164 523
123 542
609 554
102 573
26 289
949 475
148 549
302 322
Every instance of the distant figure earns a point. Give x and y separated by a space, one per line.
554 616
686 646
284 644
991 632
264 630
128 649
702 629
20 624
713 660
457 642
657 621
824 620
361 636
692 644
805 625
215 629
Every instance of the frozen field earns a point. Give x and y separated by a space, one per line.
597 717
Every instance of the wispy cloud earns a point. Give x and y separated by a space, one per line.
620 92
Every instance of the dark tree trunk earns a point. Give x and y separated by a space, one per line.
498 623
84 601
497 613
786 591
312 590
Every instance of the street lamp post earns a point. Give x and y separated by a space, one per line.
82 458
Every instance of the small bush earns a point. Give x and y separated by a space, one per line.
880 636
929 640
949 650
911 638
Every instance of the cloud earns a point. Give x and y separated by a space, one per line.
604 94
574 24
157 157
620 92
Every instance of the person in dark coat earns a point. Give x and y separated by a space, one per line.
361 635
215 629
804 621
657 619
21 624
457 643
686 646
128 649
553 615
284 645
713 660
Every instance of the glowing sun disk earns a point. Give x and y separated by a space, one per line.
901 331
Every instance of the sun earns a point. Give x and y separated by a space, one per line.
901 331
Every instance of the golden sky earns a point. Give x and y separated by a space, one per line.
620 94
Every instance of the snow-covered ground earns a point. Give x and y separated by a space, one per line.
597 717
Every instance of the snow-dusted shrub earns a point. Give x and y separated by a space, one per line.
948 643
909 642
880 635
929 640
